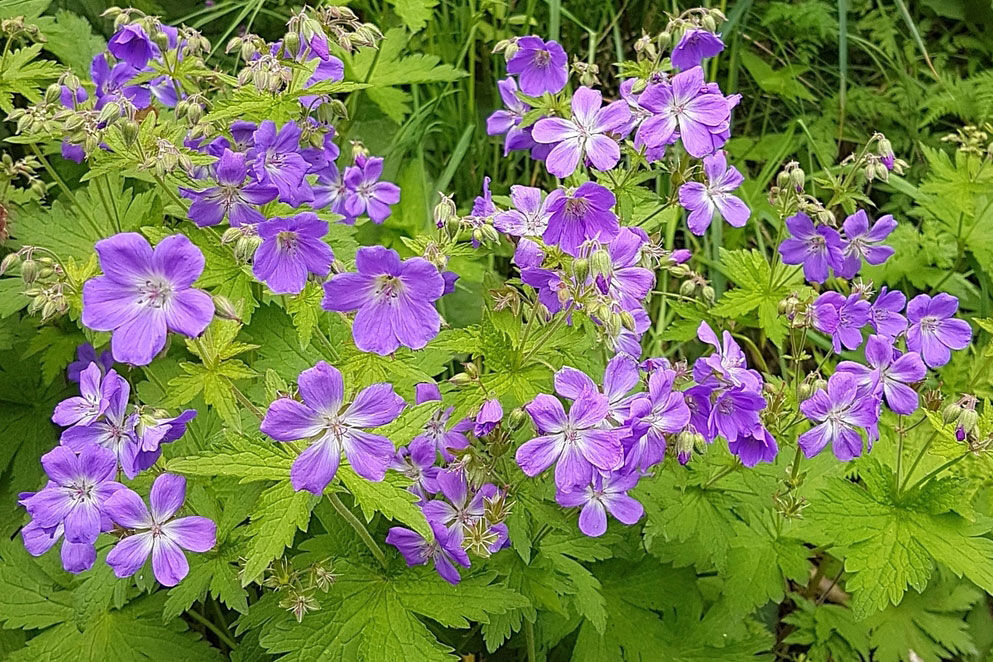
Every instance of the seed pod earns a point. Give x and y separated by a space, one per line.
687 288
627 319
490 233
9 261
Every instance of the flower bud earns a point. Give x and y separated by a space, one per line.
581 269
951 413
461 379
968 420
444 211
684 446
600 263
664 39
614 325
687 288
708 23
798 178
291 43
224 309
52 93
708 294
518 417
627 319
490 233
29 271
9 261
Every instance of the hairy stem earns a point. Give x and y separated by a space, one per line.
359 527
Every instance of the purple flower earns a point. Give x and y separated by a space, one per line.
161 536
627 282
580 215
685 104
292 248
445 550
506 121
603 495
132 45
334 428
76 557
330 192
575 443
232 197
663 412
754 446
890 373
416 462
934 331
85 355
490 414
585 135
438 434
144 293
394 300
694 46
553 290
541 66
368 195
89 405
76 494
734 412
530 215
276 160
727 363
151 431
702 200
461 509
114 430
112 84
619 377
852 313
884 314
840 411
863 242
815 248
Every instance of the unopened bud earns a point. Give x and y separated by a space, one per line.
490 233
798 178
461 379
29 271
951 413
581 269
968 420
627 319
708 23
614 325
708 293
109 113
687 288
8 262
600 263
224 309
684 446
291 42
53 93
518 417
444 211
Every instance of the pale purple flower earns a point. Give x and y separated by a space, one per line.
394 300
540 65
754 446
840 411
862 242
605 494
553 290
276 161
660 412
416 462
144 293
331 191
334 428
506 121
727 363
439 433
627 282
934 331
702 200
132 45
461 509
89 405
444 551
694 46
734 412
366 194
292 248
530 215
889 373
151 431
114 430
489 416
76 494
232 197
575 443
584 137
816 248
76 557
885 313
619 378
157 532
685 104
852 315
85 355
113 83
580 215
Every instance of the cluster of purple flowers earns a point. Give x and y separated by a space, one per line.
819 247
335 428
611 436
104 437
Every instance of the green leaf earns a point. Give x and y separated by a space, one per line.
758 290
388 496
26 74
414 13
279 513
891 546
250 459
216 573
367 617
759 567
782 82
32 598
830 631
304 309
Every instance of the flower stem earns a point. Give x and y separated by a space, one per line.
529 638
720 474
245 402
917 460
207 623
359 527
937 471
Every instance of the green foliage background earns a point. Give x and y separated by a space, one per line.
870 571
